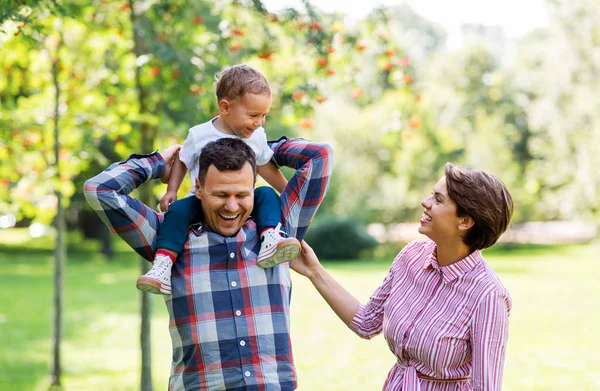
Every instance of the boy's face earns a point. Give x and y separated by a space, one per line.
243 116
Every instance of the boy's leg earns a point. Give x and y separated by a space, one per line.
171 238
276 247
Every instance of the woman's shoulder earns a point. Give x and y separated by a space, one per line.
493 286
415 251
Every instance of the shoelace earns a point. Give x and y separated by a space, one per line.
162 267
278 231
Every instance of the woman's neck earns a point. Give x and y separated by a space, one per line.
449 253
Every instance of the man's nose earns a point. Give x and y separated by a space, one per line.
231 204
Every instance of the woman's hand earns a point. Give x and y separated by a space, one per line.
306 263
169 155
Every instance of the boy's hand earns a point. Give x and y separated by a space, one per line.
167 199
169 155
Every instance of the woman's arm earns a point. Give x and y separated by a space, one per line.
489 335
339 299
365 320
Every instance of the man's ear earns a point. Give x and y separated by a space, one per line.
465 223
224 106
198 189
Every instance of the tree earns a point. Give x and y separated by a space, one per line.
59 222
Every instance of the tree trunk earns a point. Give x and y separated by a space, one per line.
145 195
59 221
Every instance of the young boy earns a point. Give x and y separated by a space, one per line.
244 99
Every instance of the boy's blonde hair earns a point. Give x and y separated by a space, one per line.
235 81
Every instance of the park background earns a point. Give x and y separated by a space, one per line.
86 83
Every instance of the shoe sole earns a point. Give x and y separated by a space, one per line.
284 253
151 285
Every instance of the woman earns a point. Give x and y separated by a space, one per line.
442 309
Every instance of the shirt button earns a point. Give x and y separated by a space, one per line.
232 255
238 312
233 283
242 343
247 373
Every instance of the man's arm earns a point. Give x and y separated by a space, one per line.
108 194
305 191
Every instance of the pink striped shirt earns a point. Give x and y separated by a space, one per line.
447 326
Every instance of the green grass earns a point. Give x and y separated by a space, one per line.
553 344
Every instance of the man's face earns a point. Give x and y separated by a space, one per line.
227 199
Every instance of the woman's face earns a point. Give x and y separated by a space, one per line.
439 221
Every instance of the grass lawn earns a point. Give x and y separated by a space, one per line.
553 327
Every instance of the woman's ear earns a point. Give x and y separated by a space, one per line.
466 223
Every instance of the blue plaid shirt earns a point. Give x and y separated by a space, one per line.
229 319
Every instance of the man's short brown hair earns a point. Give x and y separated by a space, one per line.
235 81
226 154
485 199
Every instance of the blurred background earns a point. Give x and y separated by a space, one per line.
397 88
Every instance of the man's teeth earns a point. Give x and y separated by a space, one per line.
425 217
226 217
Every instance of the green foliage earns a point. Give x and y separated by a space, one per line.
339 238
384 91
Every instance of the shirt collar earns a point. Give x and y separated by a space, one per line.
457 269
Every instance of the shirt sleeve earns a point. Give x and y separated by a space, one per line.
489 335
305 191
108 194
188 154
264 152
368 319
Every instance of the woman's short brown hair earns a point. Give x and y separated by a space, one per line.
235 81
484 198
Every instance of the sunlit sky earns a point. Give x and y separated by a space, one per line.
516 17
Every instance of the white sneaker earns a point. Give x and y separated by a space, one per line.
276 247
158 279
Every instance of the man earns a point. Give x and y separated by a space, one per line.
229 318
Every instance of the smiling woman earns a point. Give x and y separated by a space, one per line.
445 310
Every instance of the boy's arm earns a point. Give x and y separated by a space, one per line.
270 173
177 174
305 191
108 194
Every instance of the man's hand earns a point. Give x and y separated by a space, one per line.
169 155
167 199
306 263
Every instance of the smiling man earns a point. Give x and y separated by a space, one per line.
229 319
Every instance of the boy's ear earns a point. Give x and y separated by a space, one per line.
224 106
